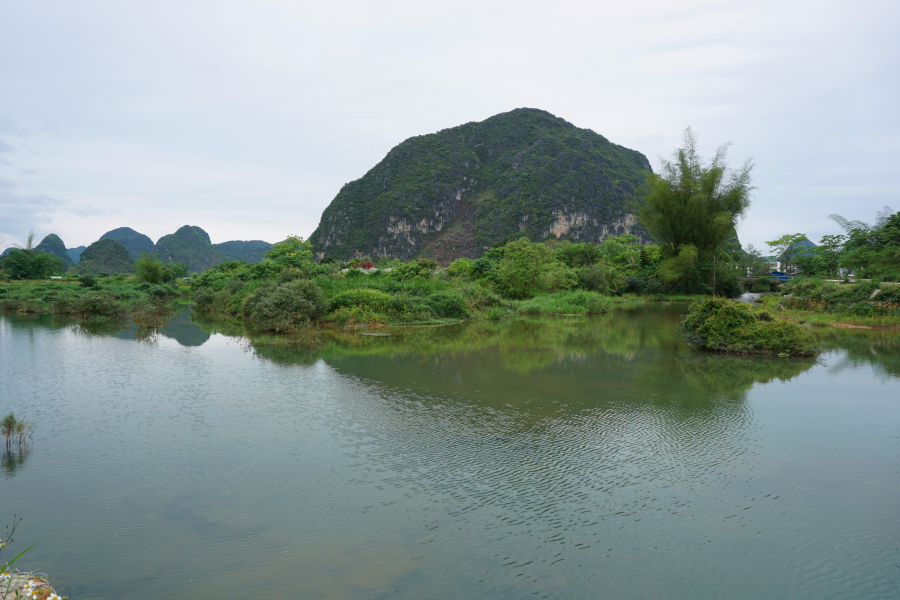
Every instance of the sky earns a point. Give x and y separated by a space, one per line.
246 118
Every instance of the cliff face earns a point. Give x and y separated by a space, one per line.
453 193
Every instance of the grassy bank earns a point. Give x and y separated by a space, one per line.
829 304
113 298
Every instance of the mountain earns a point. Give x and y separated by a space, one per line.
136 243
105 256
454 192
189 245
75 253
251 251
55 246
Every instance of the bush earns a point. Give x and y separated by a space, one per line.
639 285
446 305
528 269
99 304
161 291
88 281
727 326
286 307
461 267
372 299
422 267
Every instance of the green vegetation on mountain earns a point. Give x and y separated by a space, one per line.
55 246
456 192
105 256
252 251
75 253
189 245
136 243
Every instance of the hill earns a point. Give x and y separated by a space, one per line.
453 193
136 243
105 256
251 251
75 253
55 246
189 245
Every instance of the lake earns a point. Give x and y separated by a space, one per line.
540 458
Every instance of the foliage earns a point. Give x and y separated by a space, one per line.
15 431
527 269
292 252
422 267
286 307
150 269
461 267
31 264
736 327
692 204
692 209
369 298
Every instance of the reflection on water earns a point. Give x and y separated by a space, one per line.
576 458
12 460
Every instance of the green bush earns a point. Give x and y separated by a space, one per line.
372 299
88 281
286 307
422 267
161 291
99 304
728 326
447 305
461 267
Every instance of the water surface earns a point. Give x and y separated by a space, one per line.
557 458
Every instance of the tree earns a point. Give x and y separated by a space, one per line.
292 252
149 269
786 249
692 209
527 269
24 261
692 204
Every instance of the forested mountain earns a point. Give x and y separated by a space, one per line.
136 243
105 256
251 251
75 253
453 193
55 246
189 245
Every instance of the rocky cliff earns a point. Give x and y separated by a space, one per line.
455 192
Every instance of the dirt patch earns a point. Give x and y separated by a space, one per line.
849 326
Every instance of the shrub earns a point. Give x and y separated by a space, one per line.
593 278
527 269
88 281
422 267
640 285
461 267
727 326
99 304
372 299
161 291
447 305
285 307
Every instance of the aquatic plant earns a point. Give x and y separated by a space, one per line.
16 431
727 326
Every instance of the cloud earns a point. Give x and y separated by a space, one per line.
4 147
24 212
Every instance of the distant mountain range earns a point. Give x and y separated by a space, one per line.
190 245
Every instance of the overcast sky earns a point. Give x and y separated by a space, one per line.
246 118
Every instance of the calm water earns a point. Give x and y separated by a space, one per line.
579 458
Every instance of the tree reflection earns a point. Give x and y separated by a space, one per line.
13 460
